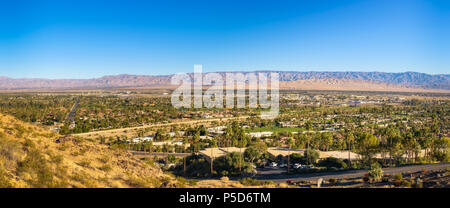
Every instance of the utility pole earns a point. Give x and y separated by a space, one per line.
184 163
307 152
349 164
167 155
240 160
289 158
212 159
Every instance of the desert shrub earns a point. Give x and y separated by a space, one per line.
332 181
82 151
4 182
251 182
61 171
84 179
57 159
75 153
193 182
105 168
10 152
20 130
182 182
398 177
375 172
104 159
36 165
406 183
29 144
149 161
171 158
62 147
85 163
269 183
418 185
167 182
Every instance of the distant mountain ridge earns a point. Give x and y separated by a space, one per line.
403 79
406 79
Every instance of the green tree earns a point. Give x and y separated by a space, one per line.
255 151
367 146
311 156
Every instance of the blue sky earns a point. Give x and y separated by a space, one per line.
86 39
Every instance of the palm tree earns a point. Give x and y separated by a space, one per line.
350 139
290 143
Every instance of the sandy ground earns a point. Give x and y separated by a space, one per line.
129 131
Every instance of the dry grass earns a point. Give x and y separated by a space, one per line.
31 156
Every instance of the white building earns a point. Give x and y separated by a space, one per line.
142 139
260 134
216 130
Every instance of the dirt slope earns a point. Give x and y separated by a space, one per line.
31 156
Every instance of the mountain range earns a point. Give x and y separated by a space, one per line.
332 80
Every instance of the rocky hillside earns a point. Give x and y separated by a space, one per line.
405 79
103 82
31 156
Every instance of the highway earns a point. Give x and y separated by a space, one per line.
71 116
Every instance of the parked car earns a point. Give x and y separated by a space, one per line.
273 164
282 165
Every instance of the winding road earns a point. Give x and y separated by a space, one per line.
277 175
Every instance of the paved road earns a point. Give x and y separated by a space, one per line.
71 116
276 174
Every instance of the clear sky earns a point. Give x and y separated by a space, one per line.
86 39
